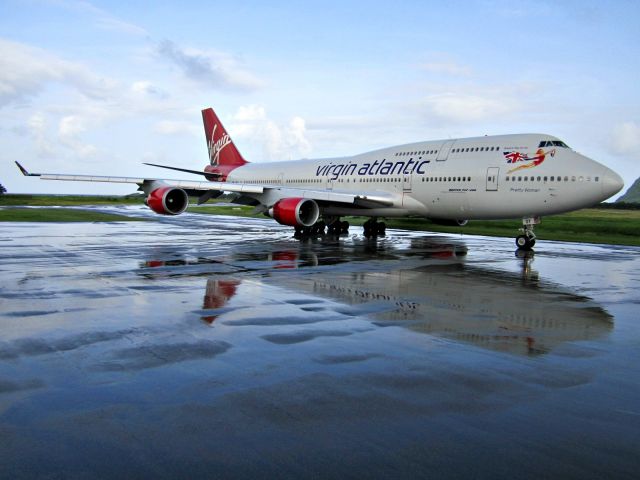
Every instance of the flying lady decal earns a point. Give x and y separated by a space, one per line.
517 157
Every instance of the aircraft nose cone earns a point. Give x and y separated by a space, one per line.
612 183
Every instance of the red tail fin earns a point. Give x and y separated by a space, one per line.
222 151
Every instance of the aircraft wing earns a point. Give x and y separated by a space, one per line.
265 194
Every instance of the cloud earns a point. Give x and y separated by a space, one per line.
25 71
210 69
145 88
625 138
69 128
38 128
460 107
277 142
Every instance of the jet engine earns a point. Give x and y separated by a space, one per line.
449 222
295 212
168 200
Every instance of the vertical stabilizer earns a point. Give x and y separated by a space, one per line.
222 151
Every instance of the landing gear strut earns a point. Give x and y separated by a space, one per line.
527 239
373 228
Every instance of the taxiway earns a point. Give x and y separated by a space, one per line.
222 347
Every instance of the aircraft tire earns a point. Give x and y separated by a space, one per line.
522 242
525 243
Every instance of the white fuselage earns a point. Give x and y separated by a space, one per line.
490 177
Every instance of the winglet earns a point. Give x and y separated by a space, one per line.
25 173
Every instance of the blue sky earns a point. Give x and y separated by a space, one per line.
100 87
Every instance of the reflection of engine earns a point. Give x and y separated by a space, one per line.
295 212
449 223
168 200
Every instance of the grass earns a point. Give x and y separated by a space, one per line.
10 200
60 215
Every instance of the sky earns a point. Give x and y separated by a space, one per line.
100 87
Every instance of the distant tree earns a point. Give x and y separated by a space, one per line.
2 189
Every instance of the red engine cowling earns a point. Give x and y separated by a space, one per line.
295 212
168 200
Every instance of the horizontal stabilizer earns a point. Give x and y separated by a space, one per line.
196 172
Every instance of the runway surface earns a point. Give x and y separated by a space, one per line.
221 347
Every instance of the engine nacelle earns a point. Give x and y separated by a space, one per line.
295 212
168 200
449 223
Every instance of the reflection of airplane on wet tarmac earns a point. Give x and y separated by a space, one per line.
445 297
451 181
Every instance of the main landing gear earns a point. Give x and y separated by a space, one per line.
335 227
527 239
338 227
373 228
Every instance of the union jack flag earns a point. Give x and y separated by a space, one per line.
513 157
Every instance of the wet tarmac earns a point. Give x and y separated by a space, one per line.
221 347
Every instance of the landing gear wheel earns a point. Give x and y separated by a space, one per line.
373 228
527 239
524 242
336 226
318 228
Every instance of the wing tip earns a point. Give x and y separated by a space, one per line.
25 172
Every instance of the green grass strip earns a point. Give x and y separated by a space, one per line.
66 200
60 215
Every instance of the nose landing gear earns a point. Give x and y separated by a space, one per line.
527 239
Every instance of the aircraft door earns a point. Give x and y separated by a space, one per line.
406 182
443 153
328 183
492 179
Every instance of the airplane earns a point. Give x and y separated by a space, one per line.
447 181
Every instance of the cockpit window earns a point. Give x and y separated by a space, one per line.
552 143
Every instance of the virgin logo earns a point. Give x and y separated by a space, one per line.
216 147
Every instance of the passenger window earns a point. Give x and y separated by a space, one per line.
597 179
538 178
